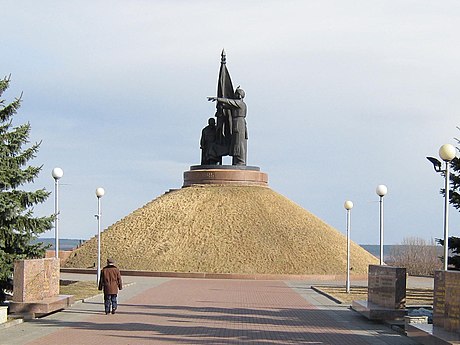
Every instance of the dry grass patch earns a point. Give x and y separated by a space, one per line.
80 289
421 297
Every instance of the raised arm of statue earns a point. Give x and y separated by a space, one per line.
236 103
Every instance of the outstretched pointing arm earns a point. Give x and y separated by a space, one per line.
228 101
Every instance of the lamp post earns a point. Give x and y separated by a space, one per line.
447 154
381 191
348 206
57 173
99 194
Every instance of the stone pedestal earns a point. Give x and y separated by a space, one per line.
446 300
42 307
446 312
225 174
35 279
386 297
36 287
387 286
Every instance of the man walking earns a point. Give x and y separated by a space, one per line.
110 281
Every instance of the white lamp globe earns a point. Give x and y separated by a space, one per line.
447 152
348 205
100 192
381 190
57 173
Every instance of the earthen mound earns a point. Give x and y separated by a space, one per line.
224 229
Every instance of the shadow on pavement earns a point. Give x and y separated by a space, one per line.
209 325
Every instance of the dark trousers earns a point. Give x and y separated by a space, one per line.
110 300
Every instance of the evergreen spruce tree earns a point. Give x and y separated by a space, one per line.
454 194
18 226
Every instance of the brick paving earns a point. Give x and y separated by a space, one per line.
199 311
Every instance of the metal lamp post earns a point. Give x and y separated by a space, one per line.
348 206
447 154
57 173
381 191
99 194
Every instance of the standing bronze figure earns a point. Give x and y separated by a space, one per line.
239 136
207 143
231 129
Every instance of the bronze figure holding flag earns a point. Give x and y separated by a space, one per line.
231 129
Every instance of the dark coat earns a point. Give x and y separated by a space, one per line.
110 280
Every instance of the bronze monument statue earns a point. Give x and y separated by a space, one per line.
207 142
231 131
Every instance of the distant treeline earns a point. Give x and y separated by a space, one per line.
70 244
64 244
388 250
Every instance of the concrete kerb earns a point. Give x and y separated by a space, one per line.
203 275
11 322
332 298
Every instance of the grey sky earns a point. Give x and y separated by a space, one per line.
342 96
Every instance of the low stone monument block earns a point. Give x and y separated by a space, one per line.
446 300
35 279
439 299
446 312
387 286
36 288
386 297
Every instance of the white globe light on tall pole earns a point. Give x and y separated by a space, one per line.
381 191
447 153
57 173
348 206
99 194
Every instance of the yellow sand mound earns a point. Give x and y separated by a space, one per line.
224 229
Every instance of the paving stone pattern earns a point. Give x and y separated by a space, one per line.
200 311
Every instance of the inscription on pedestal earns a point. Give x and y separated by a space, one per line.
452 302
387 286
439 299
446 302
205 175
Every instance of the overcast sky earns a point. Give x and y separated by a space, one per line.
342 96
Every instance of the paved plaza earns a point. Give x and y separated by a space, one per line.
205 311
